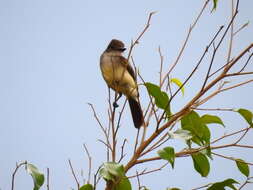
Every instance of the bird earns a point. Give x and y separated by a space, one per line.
120 76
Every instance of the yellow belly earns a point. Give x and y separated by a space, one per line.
118 78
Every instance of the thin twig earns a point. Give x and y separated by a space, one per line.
231 158
243 135
48 179
228 135
201 187
220 42
101 126
236 74
95 178
114 141
157 144
213 109
183 111
144 172
122 155
150 98
245 183
136 140
140 35
186 41
89 158
74 175
146 112
228 67
14 173
243 146
242 27
222 67
161 66
100 140
236 85
191 74
231 33
138 180
221 90
246 62
120 116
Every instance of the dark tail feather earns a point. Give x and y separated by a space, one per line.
136 112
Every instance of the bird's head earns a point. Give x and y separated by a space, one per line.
116 45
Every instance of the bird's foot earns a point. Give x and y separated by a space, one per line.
115 105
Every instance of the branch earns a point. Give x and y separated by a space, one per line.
231 33
141 34
120 116
186 41
201 187
89 158
242 27
220 42
236 74
101 126
122 150
191 151
14 173
161 66
47 178
213 109
246 62
95 177
245 183
144 172
74 175
231 158
183 111
221 90
237 58
191 74
231 134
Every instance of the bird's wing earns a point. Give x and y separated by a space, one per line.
124 61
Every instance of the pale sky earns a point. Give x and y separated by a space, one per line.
49 71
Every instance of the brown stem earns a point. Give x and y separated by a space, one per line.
186 41
141 34
89 158
14 173
48 179
74 175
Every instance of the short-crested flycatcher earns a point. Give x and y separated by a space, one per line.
120 76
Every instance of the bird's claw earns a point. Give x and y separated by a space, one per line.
115 105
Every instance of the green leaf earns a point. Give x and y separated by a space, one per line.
221 185
161 98
167 153
174 188
86 187
206 134
178 83
38 177
124 184
247 115
200 132
111 170
180 134
214 5
105 174
207 151
201 164
243 167
209 119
